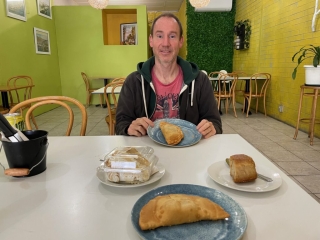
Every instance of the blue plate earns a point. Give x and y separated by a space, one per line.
231 228
190 132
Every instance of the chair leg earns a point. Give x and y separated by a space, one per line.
88 99
233 104
264 105
248 107
257 104
299 114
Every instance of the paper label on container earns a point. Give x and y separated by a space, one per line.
120 164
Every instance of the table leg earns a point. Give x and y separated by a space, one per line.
4 98
247 89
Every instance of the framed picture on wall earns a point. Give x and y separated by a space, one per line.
41 41
44 8
16 9
129 34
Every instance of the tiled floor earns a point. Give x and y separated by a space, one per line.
274 139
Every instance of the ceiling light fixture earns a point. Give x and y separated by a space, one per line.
98 4
199 3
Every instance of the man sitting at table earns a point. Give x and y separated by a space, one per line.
166 86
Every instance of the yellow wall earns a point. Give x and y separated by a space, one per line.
279 29
183 19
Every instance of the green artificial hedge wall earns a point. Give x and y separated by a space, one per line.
210 38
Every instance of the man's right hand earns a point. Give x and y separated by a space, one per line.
139 127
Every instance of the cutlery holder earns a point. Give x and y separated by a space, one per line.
27 154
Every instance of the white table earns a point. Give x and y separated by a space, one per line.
67 201
109 89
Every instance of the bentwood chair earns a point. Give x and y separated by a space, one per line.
89 90
21 91
240 88
225 90
120 79
258 85
59 100
111 117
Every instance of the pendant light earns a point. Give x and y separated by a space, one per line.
98 4
199 3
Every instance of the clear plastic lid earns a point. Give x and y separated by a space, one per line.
130 164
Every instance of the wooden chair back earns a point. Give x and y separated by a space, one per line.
111 117
19 94
59 100
258 85
21 91
120 79
225 90
89 90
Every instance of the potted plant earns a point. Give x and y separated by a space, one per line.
312 72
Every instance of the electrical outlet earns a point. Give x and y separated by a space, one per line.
281 108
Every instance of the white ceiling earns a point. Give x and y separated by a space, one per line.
152 5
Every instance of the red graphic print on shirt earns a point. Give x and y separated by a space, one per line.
167 97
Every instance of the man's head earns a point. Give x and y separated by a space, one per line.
166 38
169 15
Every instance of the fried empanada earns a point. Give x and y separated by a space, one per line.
172 133
174 209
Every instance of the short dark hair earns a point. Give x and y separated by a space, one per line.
169 15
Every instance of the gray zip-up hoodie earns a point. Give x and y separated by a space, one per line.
138 99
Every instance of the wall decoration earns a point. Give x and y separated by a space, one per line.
129 34
16 9
41 41
242 29
44 8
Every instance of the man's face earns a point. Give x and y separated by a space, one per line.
166 40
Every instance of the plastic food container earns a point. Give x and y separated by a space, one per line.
129 164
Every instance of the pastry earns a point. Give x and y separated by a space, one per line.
128 165
172 133
242 168
174 209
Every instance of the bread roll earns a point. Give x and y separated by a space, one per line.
174 209
172 133
242 168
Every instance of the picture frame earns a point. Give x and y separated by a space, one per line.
44 8
16 9
41 41
129 33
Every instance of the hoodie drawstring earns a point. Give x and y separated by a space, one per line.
192 91
144 96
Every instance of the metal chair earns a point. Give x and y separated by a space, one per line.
89 90
258 85
60 100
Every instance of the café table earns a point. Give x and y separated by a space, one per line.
4 89
247 86
67 201
105 79
109 89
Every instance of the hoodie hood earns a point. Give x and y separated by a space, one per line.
190 70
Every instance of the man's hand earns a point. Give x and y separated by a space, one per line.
206 128
139 127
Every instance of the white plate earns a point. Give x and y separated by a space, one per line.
190 132
155 177
229 228
220 173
